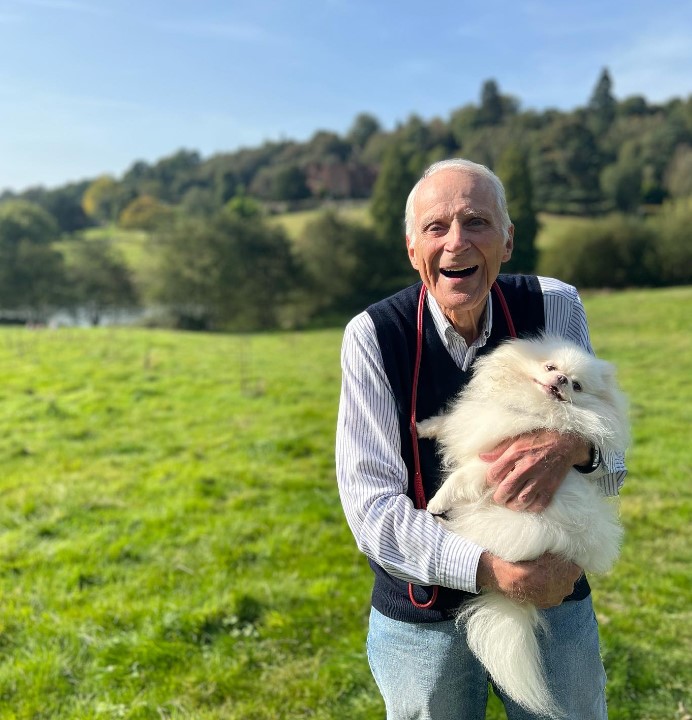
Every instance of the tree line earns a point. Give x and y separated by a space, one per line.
212 257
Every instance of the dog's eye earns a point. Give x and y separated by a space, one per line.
577 386
550 368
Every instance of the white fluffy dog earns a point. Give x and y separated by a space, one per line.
522 386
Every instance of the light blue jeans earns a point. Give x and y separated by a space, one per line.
425 671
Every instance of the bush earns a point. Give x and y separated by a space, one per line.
230 272
612 252
673 246
145 213
339 262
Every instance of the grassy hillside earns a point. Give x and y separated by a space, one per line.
295 222
172 545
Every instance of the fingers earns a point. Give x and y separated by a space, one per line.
531 499
544 582
524 472
515 490
520 490
548 580
497 452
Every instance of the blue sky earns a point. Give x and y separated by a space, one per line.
89 86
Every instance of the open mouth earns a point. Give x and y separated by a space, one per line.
552 390
461 273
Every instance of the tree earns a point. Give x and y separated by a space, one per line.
199 201
513 170
635 105
565 166
102 200
325 145
462 123
22 220
363 128
658 147
394 183
145 213
621 183
289 183
337 258
31 271
678 176
491 111
602 106
244 207
99 279
172 176
230 272
64 204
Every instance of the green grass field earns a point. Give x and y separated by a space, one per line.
172 544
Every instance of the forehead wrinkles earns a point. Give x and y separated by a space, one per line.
447 211
447 195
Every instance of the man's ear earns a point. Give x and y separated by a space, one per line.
411 252
509 244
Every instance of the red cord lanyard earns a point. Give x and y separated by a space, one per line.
419 492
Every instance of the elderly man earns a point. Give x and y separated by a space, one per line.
458 233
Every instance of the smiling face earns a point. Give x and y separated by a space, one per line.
458 244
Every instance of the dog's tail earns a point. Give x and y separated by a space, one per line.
502 635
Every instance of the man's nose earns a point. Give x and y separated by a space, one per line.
456 237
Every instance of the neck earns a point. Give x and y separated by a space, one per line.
468 324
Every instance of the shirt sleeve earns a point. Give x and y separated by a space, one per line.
565 316
372 477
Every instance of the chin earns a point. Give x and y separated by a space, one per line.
523 386
460 299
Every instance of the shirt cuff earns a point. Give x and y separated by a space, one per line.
459 560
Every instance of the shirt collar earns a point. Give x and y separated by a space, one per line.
446 331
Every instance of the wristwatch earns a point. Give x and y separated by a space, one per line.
593 465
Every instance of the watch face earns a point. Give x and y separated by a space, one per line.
596 458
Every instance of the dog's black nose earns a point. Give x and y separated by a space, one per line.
561 380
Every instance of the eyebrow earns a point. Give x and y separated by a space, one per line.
467 214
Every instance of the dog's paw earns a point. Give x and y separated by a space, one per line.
431 427
441 515
436 507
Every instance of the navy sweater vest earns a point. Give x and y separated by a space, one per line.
439 382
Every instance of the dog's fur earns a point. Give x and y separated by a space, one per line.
525 385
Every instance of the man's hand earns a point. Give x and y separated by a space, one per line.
527 470
544 582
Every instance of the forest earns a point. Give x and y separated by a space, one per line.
199 242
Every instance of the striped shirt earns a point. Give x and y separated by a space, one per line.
372 477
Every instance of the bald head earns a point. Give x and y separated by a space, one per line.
462 166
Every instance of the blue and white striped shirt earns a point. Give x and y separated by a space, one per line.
372 477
